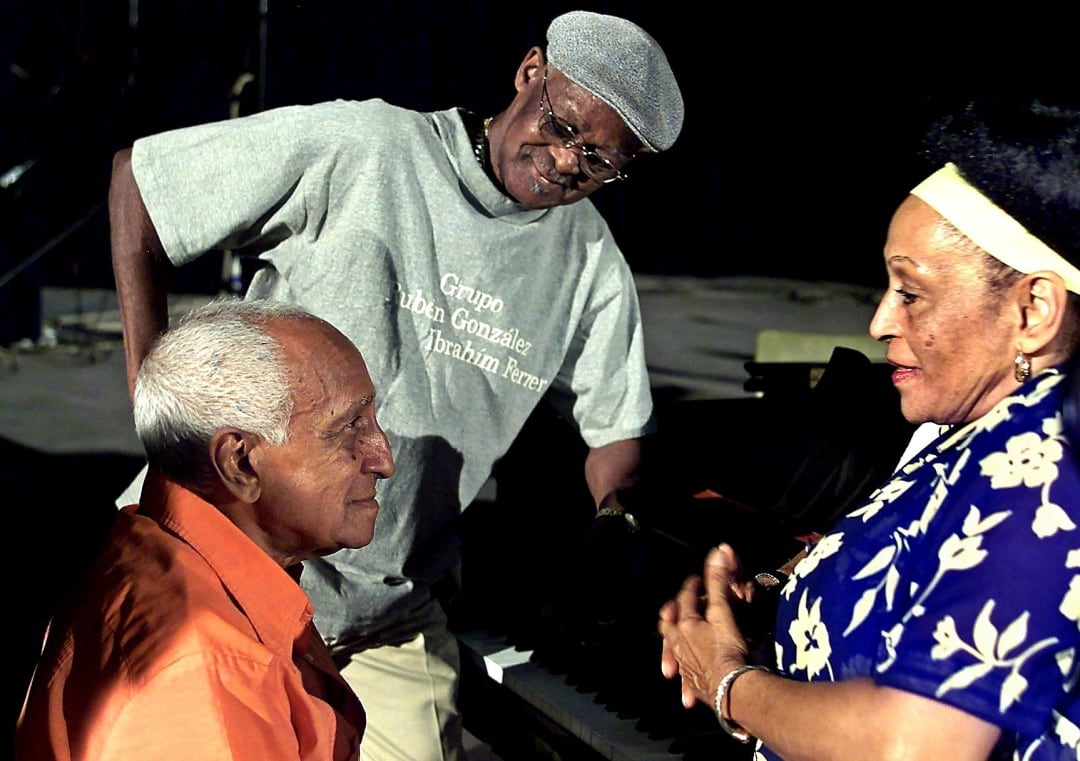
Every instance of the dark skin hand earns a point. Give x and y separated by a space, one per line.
702 641
801 721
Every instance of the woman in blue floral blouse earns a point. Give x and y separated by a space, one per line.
940 619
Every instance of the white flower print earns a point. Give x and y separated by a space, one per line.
975 524
1065 659
1050 519
1049 379
948 641
1070 604
1002 411
811 638
1031 460
1028 459
991 649
956 553
942 480
999 414
891 639
882 561
828 545
961 553
883 496
1067 732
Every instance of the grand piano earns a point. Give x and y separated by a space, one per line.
558 610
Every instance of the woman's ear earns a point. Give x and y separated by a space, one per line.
230 452
530 69
1044 302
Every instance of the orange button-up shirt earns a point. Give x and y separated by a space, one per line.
186 641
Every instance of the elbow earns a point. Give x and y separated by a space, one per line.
122 178
131 229
121 160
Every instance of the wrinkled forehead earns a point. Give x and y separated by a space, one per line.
590 115
321 359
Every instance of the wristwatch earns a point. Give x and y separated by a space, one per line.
616 512
768 580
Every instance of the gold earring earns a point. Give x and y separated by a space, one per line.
1022 369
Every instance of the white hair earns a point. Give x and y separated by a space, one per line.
216 367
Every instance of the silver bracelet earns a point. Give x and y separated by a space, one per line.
722 689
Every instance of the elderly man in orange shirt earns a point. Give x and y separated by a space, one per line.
191 635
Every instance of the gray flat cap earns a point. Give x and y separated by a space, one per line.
620 63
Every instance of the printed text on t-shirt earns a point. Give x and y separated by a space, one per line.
472 312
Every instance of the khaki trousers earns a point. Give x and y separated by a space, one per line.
409 691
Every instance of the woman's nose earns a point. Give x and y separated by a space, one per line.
882 327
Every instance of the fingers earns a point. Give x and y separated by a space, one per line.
721 565
669 665
688 697
689 598
669 618
693 643
723 575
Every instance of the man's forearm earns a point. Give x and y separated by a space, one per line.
140 267
612 467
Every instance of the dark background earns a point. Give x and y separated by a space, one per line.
798 142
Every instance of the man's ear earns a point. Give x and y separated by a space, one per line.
230 451
1043 304
530 68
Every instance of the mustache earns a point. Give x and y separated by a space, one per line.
551 174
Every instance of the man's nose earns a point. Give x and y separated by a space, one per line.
567 159
383 458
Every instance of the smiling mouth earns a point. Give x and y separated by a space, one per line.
564 181
546 183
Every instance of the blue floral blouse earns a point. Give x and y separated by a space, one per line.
959 580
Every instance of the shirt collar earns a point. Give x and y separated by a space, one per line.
484 192
269 596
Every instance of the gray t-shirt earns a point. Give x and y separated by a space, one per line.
466 306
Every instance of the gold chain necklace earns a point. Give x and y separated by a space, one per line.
480 143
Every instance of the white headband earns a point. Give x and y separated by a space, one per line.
990 228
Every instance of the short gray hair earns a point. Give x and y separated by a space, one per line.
216 367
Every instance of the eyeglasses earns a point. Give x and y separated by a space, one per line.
593 165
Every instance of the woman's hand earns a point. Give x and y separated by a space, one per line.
702 639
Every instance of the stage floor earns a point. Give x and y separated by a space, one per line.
69 395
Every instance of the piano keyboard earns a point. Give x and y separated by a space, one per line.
594 715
